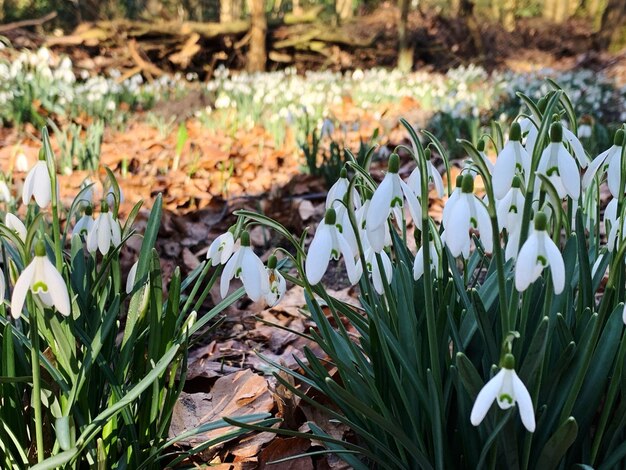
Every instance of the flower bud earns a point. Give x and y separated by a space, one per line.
556 132
394 163
515 134
331 217
468 183
245 238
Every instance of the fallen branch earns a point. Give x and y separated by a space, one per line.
25 23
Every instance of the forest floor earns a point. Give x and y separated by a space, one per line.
227 376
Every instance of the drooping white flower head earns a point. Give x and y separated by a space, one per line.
277 284
38 185
510 214
559 166
537 253
15 225
454 196
374 269
435 260
389 195
221 249
468 212
84 225
5 192
512 160
21 163
584 131
609 162
130 279
338 191
507 390
246 265
44 281
105 232
328 243
415 178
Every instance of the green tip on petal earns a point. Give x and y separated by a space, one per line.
331 217
343 173
556 132
515 134
541 221
619 138
468 183
272 261
245 238
104 206
40 248
517 182
481 145
394 163
508 362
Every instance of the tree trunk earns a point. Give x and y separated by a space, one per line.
405 51
508 15
257 55
612 27
230 10
344 10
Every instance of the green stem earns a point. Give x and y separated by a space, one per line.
34 332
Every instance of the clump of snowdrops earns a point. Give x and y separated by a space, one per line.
498 341
92 360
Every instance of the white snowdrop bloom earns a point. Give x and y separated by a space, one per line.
84 225
374 269
609 162
389 195
44 281
130 279
415 179
21 163
507 390
328 243
435 261
468 212
530 129
449 205
559 166
512 160
338 191
584 131
38 185
614 221
5 192
246 265
105 232
577 147
277 284
509 211
537 253
15 225
221 249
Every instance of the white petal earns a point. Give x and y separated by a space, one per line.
92 237
415 208
41 184
418 264
486 397
557 266
613 174
570 175
56 287
447 209
524 402
348 258
437 179
27 188
503 171
116 234
104 234
378 238
16 225
319 254
577 147
229 272
253 275
593 168
130 279
457 233
525 269
380 205
484 226
21 289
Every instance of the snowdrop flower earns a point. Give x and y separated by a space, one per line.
221 249
338 191
609 162
38 185
537 253
389 195
84 224
447 208
415 178
614 221
277 284
21 163
509 212
559 166
507 390
245 265
468 212
44 281
132 274
512 160
104 232
15 225
5 192
374 269
584 131
528 127
577 147
328 243
435 260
